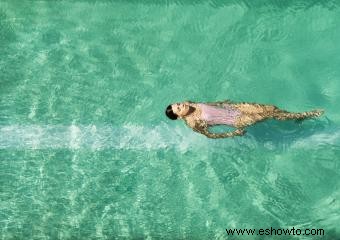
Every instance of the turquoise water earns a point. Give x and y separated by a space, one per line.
85 148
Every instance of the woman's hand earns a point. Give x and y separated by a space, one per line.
239 132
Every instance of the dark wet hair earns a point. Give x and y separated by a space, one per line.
170 114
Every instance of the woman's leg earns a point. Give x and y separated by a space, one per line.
253 113
284 115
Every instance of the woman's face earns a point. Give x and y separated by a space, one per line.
180 109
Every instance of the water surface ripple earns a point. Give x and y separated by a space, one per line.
86 151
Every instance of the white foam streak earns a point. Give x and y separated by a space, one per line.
137 137
93 137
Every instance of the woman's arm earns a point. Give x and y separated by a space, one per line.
237 132
219 103
202 128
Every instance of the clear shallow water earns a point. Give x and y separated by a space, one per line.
85 148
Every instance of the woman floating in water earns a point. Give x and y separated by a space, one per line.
200 116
